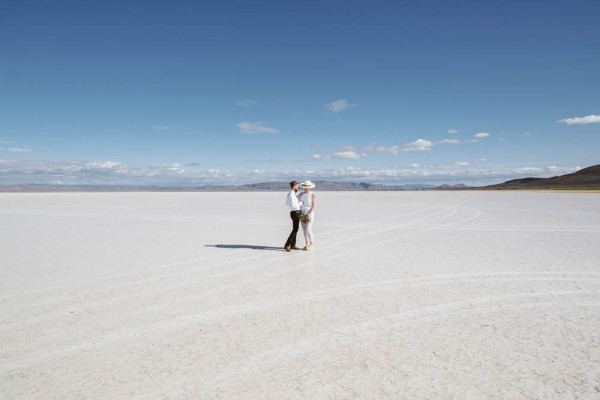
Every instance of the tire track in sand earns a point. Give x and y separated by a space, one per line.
268 304
194 268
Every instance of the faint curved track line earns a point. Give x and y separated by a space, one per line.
319 295
176 323
195 268
352 290
330 339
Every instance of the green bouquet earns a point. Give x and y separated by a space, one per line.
305 219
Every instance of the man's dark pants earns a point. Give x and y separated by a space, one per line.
291 242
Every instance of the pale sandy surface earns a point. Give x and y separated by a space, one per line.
426 295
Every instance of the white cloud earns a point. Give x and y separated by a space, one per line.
448 141
106 173
217 173
418 145
436 172
394 150
246 103
117 173
347 154
347 148
101 164
453 131
162 128
174 168
528 170
256 128
19 150
590 119
354 152
458 172
481 135
338 106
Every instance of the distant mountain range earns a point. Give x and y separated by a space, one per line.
585 179
324 186
252 187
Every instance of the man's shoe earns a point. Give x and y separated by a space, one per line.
287 248
296 248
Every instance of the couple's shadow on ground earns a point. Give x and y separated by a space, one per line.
244 246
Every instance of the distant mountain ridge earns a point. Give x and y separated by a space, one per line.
251 187
587 178
332 186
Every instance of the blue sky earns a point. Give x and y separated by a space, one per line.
187 92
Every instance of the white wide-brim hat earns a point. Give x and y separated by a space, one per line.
307 185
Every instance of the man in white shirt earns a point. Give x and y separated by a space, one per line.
294 206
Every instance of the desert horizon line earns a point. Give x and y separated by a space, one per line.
115 173
586 178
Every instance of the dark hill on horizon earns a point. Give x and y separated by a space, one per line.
587 178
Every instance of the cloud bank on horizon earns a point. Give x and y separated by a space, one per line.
390 92
117 173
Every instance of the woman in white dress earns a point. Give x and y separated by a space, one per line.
307 201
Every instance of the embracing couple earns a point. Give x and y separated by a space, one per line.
302 210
